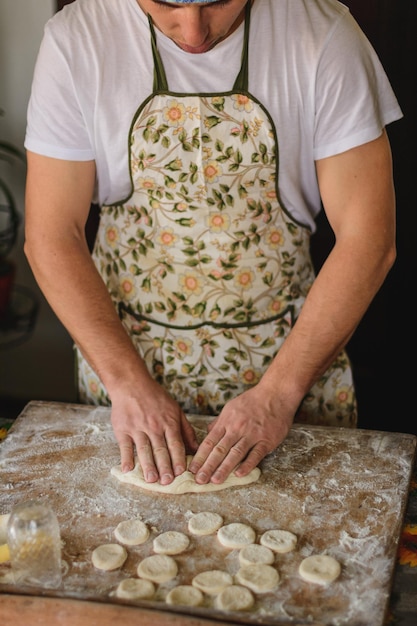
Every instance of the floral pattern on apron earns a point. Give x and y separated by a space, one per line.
206 268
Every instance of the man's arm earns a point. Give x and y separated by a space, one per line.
58 197
358 196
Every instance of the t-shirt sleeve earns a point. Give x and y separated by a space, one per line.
56 126
354 98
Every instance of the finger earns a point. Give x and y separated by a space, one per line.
146 458
222 460
203 452
163 462
127 460
176 450
253 459
188 434
235 455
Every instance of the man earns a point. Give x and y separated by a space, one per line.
209 132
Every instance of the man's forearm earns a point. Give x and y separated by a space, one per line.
336 303
87 313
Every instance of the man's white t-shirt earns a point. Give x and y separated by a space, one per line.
310 65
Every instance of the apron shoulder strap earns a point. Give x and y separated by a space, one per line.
242 79
160 82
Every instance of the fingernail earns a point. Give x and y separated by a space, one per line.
201 478
151 477
127 467
166 479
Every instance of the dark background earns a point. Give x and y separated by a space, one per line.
383 346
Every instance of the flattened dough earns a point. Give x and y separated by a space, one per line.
236 535
204 523
185 483
254 553
235 598
319 568
170 542
132 532
109 556
185 595
159 568
212 581
280 541
259 578
135 589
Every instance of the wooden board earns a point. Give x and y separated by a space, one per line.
341 491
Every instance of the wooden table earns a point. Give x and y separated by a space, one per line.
341 491
20 610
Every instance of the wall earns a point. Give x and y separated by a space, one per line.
41 368
382 347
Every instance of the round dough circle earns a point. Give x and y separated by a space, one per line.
254 553
319 568
158 568
109 556
212 582
204 523
132 532
281 541
170 542
258 577
185 595
235 598
135 589
236 535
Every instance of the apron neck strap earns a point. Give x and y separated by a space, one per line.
242 79
160 82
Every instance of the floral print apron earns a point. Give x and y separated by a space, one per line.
205 266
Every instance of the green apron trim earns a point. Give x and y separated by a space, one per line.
160 82
242 79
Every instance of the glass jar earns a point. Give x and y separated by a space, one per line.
34 540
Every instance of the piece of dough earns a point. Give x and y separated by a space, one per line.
109 556
204 523
135 589
281 541
159 568
212 582
258 577
170 542
319 568
235 598
236 535
254 553
132 532
185 595
185 483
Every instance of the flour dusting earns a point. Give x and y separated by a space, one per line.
342 492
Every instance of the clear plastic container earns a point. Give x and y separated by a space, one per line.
34 540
